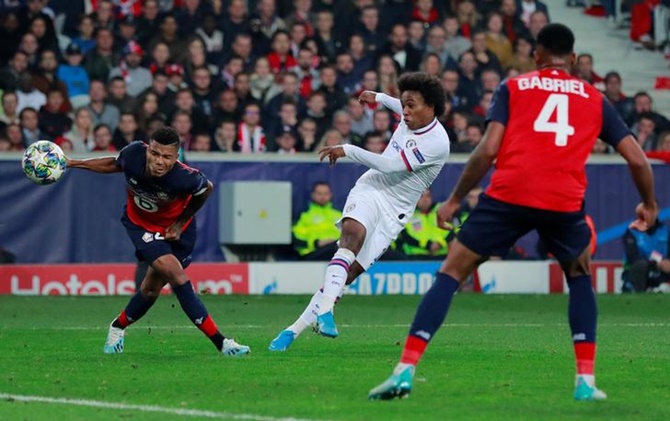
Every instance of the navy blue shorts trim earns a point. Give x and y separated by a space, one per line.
494 226
149 246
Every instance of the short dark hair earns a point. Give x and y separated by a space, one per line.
557 39
166 136
428 86
612 75
320 183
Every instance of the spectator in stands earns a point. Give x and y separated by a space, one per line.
102 139
185 102
10 74
101 111
242 89
118 95
137 78
104 15
644 131
334 95
31 48
460 119
100 61
522 60
485 58
242 47
212 37
14 137
235 21
317 110
400 50
232 68
526 8
456 44
197 57
27 95
168 34
416 34
663 143
496 41
10 105
298 33
388 72
437 44
315 234
370 83
251 138
513 26
74 76
30 127
280 58
600 148
10 33
263 24
262 81
288 117
147 111
307 131
203 93
422 239
226 107
126 30
81 132
473 135
381 123
287 141
361 121
375 142
85 38
181 121
342 123
308 76
449 81
53 118
369 29
330 138
148 23
202 142
467 16
584 70
468 83
622 104
643 104
347 80
482 109
225 136
431 65
325 39
362 60
191 14
490 79
160 57
647 261
538 20
127 131
44 78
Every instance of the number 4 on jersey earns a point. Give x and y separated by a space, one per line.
557 103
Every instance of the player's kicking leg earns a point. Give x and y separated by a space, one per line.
137 307
341 270
582 317
432 311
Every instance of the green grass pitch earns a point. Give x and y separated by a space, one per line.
497 358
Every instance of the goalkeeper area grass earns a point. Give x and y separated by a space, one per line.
502 357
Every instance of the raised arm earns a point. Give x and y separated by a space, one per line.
389 102
106 165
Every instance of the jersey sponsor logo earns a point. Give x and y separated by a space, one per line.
418 155
350 207
162 195
410 143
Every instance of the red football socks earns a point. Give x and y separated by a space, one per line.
413 350
585 353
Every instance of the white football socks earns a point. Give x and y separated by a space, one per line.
336 277
308 317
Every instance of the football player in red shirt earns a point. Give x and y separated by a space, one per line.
163 197
541 128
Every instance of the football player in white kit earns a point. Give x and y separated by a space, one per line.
383 199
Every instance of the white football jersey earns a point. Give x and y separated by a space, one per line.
424 152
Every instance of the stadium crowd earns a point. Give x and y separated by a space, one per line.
262 76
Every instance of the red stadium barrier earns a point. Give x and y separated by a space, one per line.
114 279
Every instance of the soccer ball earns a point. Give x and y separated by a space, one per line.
43 162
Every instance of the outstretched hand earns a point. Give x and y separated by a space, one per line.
332 152
646 217
368 97
445 214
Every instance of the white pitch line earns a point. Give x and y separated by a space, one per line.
145 408
364 326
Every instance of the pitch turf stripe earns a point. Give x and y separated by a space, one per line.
363 326
145 408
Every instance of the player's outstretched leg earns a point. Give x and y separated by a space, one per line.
429 317
337 273
169 266
137 307
582 315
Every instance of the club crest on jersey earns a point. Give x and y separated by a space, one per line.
418 155
410 143
147 237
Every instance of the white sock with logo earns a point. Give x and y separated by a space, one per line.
308 317
336 278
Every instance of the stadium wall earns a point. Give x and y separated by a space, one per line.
76 220
384 278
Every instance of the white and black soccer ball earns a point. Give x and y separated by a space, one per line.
43 162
